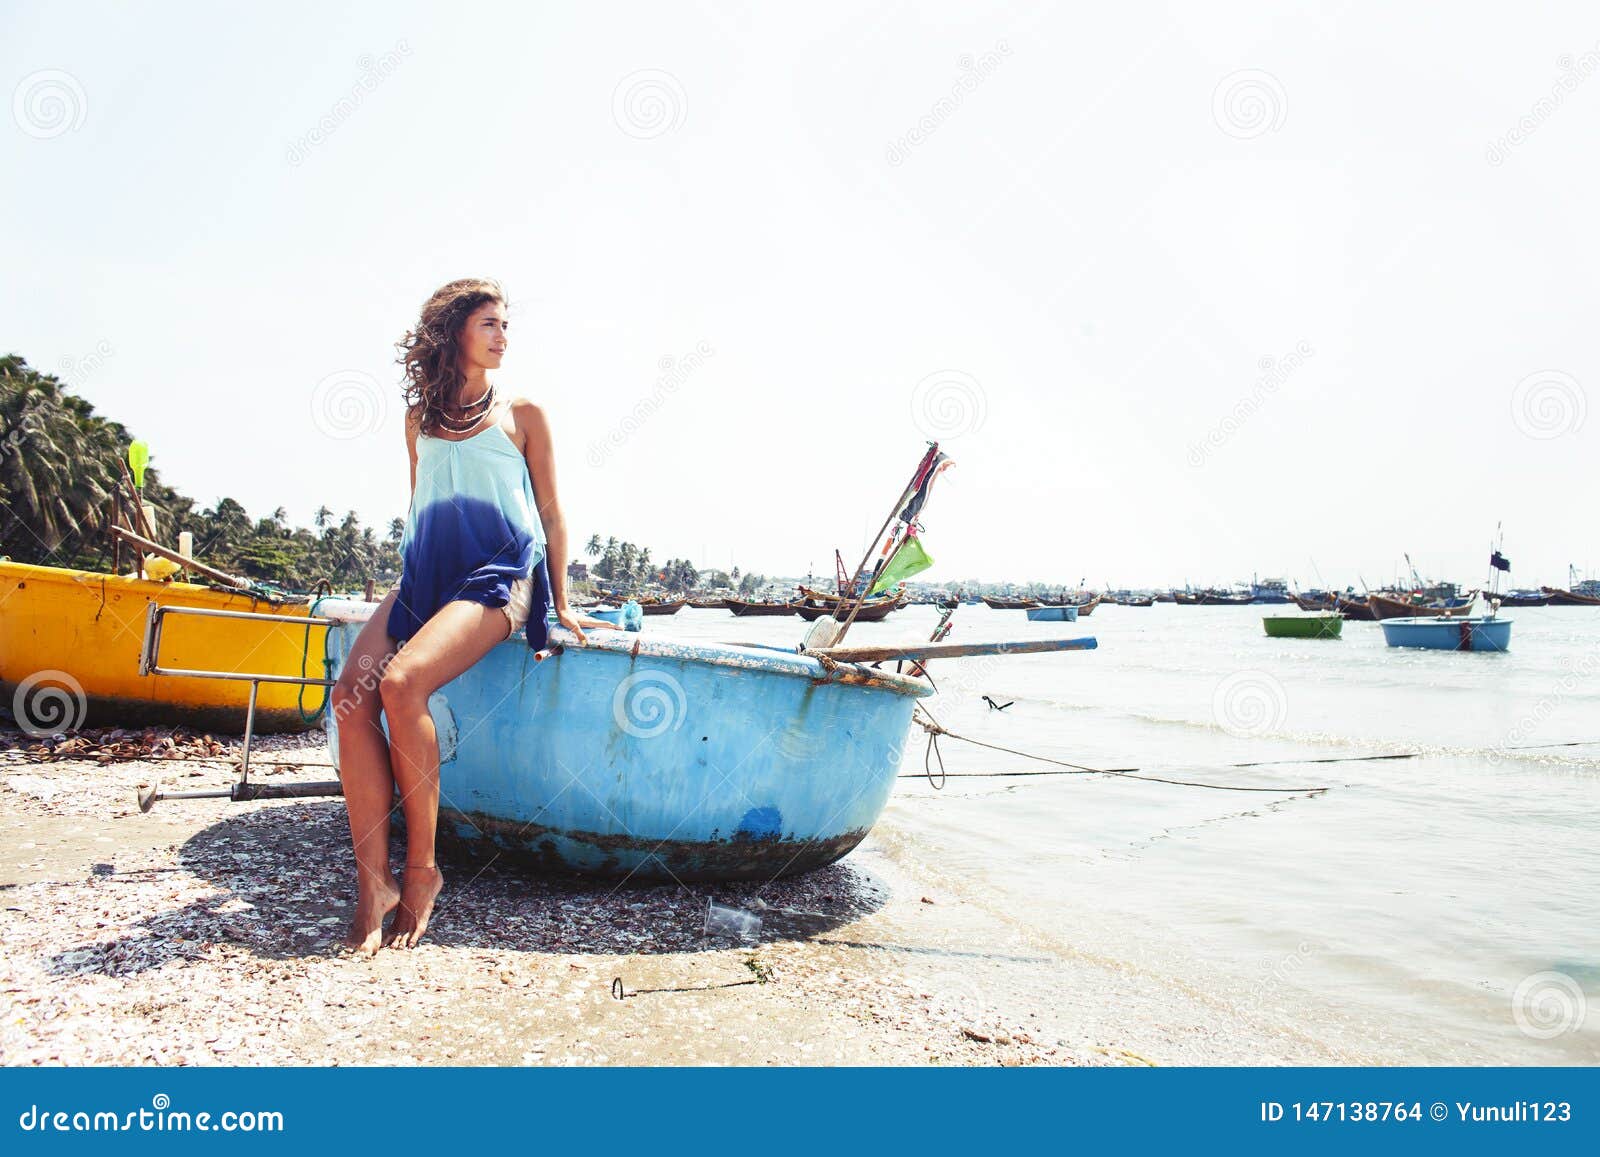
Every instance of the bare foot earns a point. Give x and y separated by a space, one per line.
420 889
366 929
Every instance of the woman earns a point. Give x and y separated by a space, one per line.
484 518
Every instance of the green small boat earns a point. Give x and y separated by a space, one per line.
1303 626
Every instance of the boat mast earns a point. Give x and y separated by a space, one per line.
854 599
1494 571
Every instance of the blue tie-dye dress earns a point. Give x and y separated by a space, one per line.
473 529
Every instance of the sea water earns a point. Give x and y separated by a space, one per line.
1440 908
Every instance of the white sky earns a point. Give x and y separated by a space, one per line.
1094 251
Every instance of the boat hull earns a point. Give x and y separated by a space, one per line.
671 608
1066 614
869 613
1358 610
1524 600
1386 607
1436 634
743 609
1561 598
644 759
90 627
1328 626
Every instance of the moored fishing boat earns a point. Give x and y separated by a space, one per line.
871 612
1359 610
1569 598
1445 630
1061 613
743 607
1001 603
1271 591
1224 599
1316 601
70 652
664 608
1482 633
1386 606
1524 599
1317 626
826 597
813 604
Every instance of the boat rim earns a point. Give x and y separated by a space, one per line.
1443 620
740 656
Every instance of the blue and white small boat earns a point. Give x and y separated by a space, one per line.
638 756
1483 633
629 616
652 759
1058 614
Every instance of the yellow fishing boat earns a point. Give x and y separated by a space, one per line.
70 643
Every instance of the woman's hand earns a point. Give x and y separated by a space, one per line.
569 620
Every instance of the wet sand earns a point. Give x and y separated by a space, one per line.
206 932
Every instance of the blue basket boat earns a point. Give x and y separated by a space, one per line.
642 757
1484 633
629 616
1061 614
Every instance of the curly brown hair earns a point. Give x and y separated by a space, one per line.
430 353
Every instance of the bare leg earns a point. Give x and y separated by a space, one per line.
368 782
457 636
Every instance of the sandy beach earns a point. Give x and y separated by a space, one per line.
205 932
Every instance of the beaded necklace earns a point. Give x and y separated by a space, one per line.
474 412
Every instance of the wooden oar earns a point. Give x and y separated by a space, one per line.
952 650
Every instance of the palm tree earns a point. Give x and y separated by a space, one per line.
56 463
593 548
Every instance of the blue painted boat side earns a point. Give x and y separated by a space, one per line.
1448 634
640 757
1053 614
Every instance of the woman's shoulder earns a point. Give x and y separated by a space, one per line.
526 413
